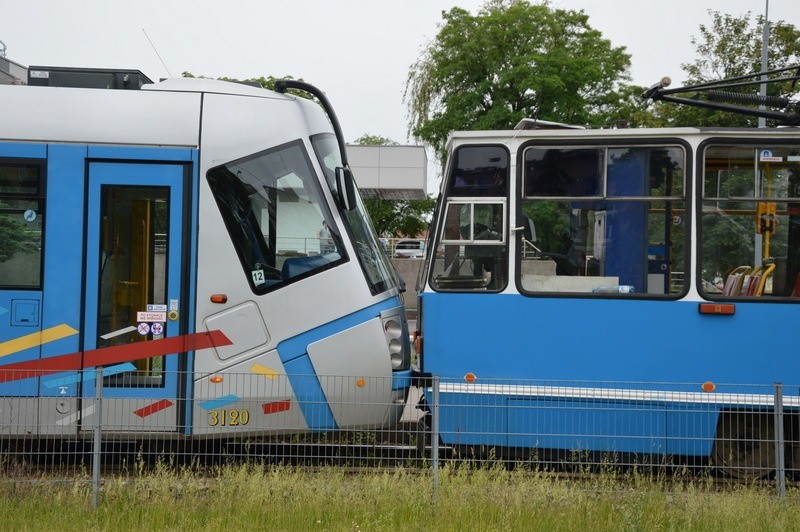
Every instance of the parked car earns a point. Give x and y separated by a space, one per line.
410 248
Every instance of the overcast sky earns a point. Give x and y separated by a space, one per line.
357 51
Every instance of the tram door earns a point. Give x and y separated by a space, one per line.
134 282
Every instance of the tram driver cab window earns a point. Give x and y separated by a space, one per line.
472 252
274 210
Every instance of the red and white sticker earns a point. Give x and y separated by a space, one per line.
152 316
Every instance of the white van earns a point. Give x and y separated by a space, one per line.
411 248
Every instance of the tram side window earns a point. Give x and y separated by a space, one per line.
750 227
276 216
608 220
472 252
21 223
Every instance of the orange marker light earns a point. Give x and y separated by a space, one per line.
361 383
470 378
219 298
216 379
721 309
708 386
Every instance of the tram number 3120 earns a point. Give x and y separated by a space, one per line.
230 418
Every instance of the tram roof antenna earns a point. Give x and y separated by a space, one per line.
157 54
717 95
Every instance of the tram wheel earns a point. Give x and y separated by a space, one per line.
423 434
744 447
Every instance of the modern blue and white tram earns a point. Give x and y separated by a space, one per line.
574 274
174 236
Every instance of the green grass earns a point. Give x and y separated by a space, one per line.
258 498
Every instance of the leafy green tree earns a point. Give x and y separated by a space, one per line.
267 82
728 47
396 218
512 60
391 218
374 140
731 46
14 238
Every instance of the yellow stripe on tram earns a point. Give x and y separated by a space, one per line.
264 370
36 339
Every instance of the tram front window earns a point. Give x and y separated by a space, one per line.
472 252
277 217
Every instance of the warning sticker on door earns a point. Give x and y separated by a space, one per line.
151 316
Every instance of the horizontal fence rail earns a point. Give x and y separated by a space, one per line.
63 424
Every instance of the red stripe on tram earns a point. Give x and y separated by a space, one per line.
277 406
112 355
158 406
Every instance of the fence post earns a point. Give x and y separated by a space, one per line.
780 456
98 430
435 431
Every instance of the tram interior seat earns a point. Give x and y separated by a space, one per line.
745 281
735 281
751 285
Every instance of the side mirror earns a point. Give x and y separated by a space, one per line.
529 230
346 188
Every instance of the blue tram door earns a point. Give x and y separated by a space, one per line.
135 272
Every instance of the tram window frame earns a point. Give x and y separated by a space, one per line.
25 201
743 205
256 245
600 202
461 263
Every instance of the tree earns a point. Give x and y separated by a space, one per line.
267 82
14 238
510 61
389 217
728 47
396 218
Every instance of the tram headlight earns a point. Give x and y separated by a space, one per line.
397 341
393 329
397 360
395 346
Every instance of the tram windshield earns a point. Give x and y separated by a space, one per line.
472 249
276 215
373 260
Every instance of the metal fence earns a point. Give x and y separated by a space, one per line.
725 432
